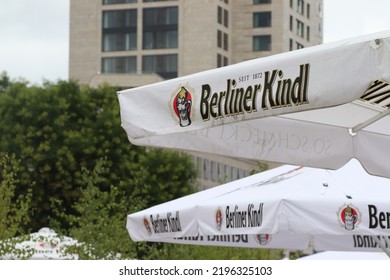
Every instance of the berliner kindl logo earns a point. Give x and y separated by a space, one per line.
181 105
147 226
349 216
263 238
218 218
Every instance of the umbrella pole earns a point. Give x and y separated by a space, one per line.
381 245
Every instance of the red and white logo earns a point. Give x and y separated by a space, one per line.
181 105
263 238
147 226
218 218
349 216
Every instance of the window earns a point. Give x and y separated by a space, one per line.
125 64
225 42
225 61
291 44
291 23
119 30
155 0
164 65
160 27
261 1
219 39
234 173
219 16
107 2
308 33
300 27
206 169
262 19
299 46
308 10
301 7
225 18
262 43
319 9
221 175
222 40
199 165
219 60
222 60
214 171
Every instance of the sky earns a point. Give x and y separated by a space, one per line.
34 34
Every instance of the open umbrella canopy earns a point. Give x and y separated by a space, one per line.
286 207
42 245
317 107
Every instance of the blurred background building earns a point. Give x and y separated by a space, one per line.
129 43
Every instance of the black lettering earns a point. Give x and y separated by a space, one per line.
372 216
204 102
269 80
213 104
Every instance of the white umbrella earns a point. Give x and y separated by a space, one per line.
317 107
287 207
42 245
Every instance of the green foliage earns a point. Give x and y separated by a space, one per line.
58 130
167 175
4 81
74 170
14 210
99 223
194 252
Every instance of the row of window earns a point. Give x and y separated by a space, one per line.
219 172
109 2
160 27
164 65
300 7
300 28
261 1
264 19
223 16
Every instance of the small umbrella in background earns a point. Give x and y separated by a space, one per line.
42 245
288 207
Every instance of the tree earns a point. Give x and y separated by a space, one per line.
14 210
4 81
59 129
100 219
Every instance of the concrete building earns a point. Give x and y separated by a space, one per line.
129 43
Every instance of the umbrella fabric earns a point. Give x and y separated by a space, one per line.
286 207
42 245
340 255
316 107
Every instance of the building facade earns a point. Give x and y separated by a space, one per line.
130 43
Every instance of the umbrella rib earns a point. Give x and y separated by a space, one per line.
362 125
381 245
